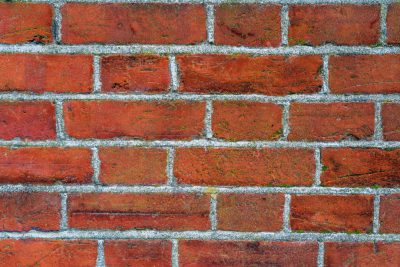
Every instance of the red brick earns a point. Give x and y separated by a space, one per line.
354 167
389 214
250 212
362 254
45 165
26 211
25 23
148 120
122 165
139 211
46 73
41 252
139 253
365 74
241 120
391 121
16 120
320 213
196 253
244 166
136 73
248 25
337 24
242 74
331 121
393 24
133 23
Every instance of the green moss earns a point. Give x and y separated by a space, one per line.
324 168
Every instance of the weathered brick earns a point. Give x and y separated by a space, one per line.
144 120
138 253
331 121
269 75
337 24
133 23
198 253
391 121
22 211
45 165
389 214
248 25
136 73
241 120
357 167
322 213
364 74
393 24
16 120
46 73
160 211
42 252
362 254
122 165
236 166
25 23
250 212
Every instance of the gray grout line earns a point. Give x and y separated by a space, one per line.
286 214
208 120
321 252
213 211
64 212
285 121
285 25
170 167
100 262
96 165
325 74
96 74
378 131
210 23
174 74
383 15
175 253
57 18
318 167
60 129
376 224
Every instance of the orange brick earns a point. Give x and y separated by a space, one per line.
391 121
389 214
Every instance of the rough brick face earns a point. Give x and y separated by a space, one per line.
331 122
16 120
336 24
265 210
45 165
248 25
246 121
25 23
138 253
144 120
230 166
240 74
140 211
389 214
247 253
26 211
37 252
355 167
364 74
139 73
393 24
133 23
391 121
133 165
321 213
362 254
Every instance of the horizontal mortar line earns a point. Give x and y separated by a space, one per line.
201 143
312 98
194 189
194 49
200 235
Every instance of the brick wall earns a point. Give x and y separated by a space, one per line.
200 134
